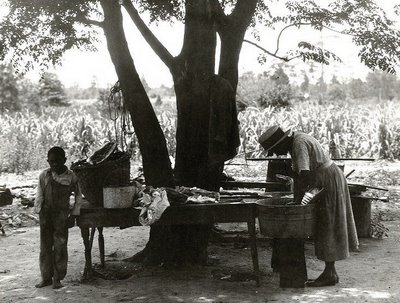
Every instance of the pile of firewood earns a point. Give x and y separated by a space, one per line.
18 220
378 230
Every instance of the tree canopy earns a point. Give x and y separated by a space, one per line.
41 31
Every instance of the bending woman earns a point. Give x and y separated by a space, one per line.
336 231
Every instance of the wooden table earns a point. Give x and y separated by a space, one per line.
92 218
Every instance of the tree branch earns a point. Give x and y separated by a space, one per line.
266 51
148 35
87 21
219 14
295 57
300 24
217 9
337 31
286 59
243 12
282 30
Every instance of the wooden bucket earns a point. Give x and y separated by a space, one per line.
278 220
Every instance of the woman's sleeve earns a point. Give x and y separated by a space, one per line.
301 157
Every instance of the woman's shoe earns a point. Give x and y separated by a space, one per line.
57 284
323 282
43 283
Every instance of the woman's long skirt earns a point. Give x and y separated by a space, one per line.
336 233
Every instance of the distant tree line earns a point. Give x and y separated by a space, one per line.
277 89
75 92
272 88
18 92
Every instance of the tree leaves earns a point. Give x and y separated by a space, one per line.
162 10
396 9
37 33
371 29
307 51
363 20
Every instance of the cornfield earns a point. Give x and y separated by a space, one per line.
344 131
348 130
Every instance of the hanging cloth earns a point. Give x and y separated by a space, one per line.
223 125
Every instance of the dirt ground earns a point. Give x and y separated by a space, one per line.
370 275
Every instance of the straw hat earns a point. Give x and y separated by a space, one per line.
272 137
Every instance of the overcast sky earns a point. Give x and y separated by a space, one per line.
81 67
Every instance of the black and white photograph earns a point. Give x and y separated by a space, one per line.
205 151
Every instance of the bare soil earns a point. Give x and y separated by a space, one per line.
371 275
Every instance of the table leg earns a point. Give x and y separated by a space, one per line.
87 272
92 231
251 225
101 246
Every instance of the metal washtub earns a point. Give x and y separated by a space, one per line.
278 220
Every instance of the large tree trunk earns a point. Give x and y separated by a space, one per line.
231 30
156 164
193 79
231 45
187 244
193 74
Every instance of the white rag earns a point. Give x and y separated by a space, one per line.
154 206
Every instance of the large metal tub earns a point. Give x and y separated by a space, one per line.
278 220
